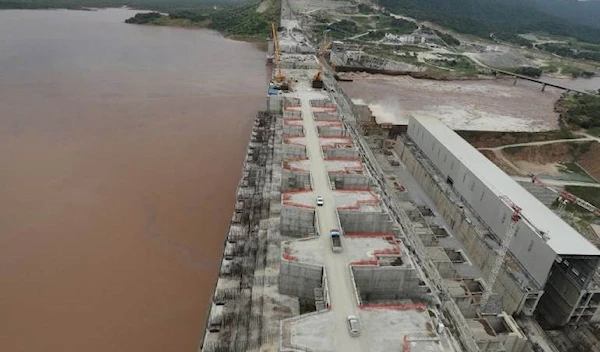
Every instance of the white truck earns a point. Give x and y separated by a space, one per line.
336 241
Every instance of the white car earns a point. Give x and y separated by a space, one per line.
320 201
353 325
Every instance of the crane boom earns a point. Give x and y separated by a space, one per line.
279 76
565 197
317 79
505 243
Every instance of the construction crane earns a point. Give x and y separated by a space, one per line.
279 76
505 242
565 197
318 79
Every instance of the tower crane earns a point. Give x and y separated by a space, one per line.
508 236
279 76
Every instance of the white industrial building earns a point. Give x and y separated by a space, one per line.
555 255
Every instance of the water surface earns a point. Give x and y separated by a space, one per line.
120 151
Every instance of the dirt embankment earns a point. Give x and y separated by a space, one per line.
497 159
551 158
497 139
590 161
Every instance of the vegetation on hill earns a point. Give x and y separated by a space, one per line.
572 51
485 17
529 71
581 12
144 18
245 21
239 21
582 110
447 38
157 5
397 25
342 29
513 38
590 194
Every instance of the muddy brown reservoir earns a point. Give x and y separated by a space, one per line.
120 150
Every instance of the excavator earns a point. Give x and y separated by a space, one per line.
279 81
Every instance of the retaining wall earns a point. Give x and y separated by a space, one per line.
356 221
341 153
291 180
292 130
299 279
332 132
387 283
294 151
274 104
349 181
297 222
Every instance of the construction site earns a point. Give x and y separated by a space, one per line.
415 243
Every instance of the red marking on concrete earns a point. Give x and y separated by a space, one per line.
365 262
296 191
387 251
327 123
294 204
406 344
355 190
373 201
290 121
300 205
342 159
290 140
347 142
286 196
345 170
325 109
334 137
369 234
289 257
287 166
395 251
392 306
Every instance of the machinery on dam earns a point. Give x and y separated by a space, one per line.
443 263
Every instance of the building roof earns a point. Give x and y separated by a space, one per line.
563 239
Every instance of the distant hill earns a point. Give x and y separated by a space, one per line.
483 17
159 5
579 12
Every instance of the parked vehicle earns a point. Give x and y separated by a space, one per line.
336 241
320 201
353 325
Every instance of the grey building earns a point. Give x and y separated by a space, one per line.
555 255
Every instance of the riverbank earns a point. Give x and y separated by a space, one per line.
250 21
148 5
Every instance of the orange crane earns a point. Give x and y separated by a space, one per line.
317 79
279 76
